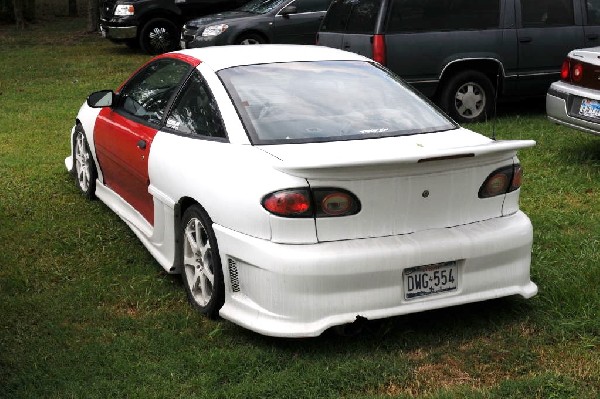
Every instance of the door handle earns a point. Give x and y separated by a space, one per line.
525 39
141 144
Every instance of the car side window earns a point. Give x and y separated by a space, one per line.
195 110
147 94
593 12
337 15
542 13
310 5
363 16
435 15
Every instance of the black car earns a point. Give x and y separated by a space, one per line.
259 21
464 53
154 25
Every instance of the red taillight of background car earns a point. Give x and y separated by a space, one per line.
577 72
379 49
565 70
319 202
502 181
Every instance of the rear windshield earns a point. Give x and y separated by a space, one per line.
351 16
300 102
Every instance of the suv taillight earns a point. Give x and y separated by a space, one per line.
379 49
565 70
307 203
502 181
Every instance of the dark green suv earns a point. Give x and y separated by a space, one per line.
465 53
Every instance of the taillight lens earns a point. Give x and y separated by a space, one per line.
318 202
379 49
289 203
502 181
577 72
565 69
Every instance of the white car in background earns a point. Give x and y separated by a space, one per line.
574 100
298 188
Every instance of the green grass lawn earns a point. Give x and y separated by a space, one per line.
85 311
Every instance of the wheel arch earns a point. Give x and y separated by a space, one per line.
491 67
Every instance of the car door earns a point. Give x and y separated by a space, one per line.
300 27
547 31
124 132
591 22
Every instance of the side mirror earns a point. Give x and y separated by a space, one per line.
101 99
286 11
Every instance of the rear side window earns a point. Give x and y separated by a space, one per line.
593 12
436 15
351 16
542 13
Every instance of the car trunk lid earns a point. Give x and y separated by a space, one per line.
404 184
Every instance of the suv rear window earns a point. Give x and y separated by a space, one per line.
351 16
435 15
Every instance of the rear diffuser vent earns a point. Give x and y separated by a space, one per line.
233 275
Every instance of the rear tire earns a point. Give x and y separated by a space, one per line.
468 96
159 35
201 272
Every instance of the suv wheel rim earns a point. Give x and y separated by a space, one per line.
470 100
249 41
159 38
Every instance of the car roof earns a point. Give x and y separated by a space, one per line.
222 57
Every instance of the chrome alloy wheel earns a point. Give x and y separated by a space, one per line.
83 161
470 100
159 38
250 40
198 262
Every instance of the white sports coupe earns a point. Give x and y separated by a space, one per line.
298 188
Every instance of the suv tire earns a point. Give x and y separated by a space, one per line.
468 96
159 35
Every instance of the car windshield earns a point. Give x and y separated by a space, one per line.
298 102
262 6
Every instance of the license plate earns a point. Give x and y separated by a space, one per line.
428 280
590 108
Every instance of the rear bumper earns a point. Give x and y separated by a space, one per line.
301 290
559 103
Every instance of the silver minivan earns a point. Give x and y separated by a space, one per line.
464 53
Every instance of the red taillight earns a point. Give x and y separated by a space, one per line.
290 203
379 49
577 72
328 202
565 69
502 181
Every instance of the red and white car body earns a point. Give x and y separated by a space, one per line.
422 235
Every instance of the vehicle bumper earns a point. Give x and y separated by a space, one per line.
118 33
301 290
201 41
562 104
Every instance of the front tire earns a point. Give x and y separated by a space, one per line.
468 96
85 168
159 35
250 38
202 273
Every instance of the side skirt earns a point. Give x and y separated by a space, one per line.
160 239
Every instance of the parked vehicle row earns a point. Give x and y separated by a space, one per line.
464 54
